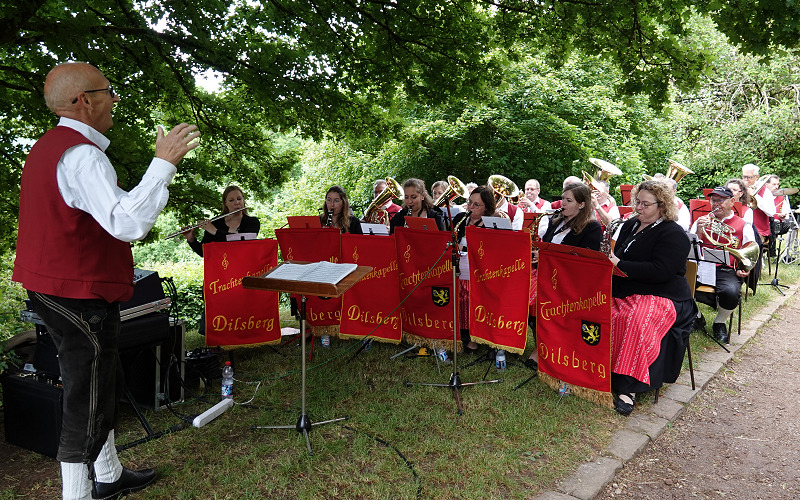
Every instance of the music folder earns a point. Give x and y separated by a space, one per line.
369 228
303 221
421 223
496 222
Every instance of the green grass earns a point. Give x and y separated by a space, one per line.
398 442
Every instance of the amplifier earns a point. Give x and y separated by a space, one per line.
32 413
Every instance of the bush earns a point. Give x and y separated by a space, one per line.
188 280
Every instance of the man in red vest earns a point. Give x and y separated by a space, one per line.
74 259
735 233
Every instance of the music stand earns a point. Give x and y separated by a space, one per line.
304 288
455 382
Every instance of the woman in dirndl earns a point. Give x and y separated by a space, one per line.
652 308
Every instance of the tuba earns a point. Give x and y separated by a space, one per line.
455 189
721 235
604 172
374 213
502 187
676 171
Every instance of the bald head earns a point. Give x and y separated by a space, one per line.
571 180
66 81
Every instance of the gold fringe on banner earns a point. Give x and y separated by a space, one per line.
411 338
598 397
331 330
513 350
347 336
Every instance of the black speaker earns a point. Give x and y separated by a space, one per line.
153 373
32 411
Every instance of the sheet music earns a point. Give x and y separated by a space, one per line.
368 228
707 273
496 222
318 272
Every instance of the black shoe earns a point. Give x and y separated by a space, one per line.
128 482
532 364
624 407
699 324
721 332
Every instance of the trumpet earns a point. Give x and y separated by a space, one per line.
200 223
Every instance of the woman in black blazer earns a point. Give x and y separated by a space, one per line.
577 226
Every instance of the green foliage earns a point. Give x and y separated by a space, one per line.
188 280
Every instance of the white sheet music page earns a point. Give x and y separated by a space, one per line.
317 272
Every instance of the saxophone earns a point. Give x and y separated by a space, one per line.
607 245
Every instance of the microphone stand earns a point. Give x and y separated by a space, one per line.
455 382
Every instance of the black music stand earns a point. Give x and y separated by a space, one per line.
304 288
455 382
778 244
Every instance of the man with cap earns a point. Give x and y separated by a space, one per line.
736 235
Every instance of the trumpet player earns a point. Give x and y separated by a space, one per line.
721 225
764 208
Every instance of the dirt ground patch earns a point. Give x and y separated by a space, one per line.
739 438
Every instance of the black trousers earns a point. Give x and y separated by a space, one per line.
86 333
728 289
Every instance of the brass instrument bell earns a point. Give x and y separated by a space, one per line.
374 213
605 170
502 187
676 171
455 189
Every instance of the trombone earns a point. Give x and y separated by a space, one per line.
195 226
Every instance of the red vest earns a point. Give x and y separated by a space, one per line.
63 251
735 222
778 207
760 219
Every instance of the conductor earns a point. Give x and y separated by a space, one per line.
69 195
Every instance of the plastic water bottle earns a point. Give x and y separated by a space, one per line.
325 340
500 360
227 381
442 354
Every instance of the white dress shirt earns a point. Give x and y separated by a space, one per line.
87 181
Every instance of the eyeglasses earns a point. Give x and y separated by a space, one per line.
748 177
645 204
474 204
717 201
107 89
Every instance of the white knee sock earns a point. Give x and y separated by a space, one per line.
75 484
107 468
723 315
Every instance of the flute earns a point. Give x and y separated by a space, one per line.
195 226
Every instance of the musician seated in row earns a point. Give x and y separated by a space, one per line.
684 217
336 212
569 180
781 222
764 200
531 202
722 226
516 215
652 308
604 205
576 226
218 230
391 208
740 194
481 202
417 203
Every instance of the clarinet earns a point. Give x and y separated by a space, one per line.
408 214
329 222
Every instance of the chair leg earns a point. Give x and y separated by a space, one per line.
691 366
655 400
739 321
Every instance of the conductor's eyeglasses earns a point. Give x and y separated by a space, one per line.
108 89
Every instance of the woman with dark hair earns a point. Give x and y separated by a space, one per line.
481 202
652 307
239 222
577 226
336 212
741 194
416 203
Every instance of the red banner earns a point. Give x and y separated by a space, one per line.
235 316
368 302
314 245
573 325
499 287
428 312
